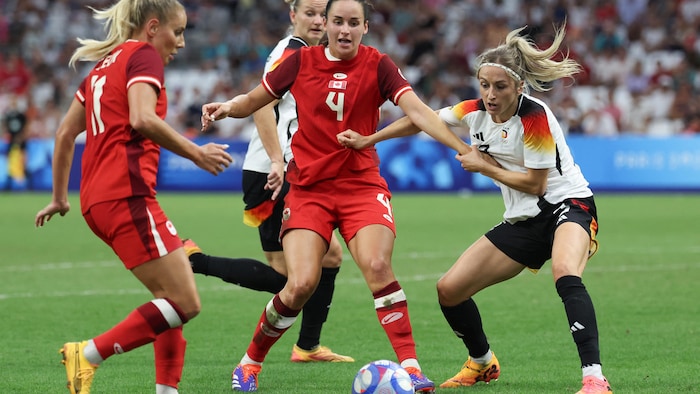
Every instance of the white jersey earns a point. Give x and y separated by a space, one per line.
532 138
256 158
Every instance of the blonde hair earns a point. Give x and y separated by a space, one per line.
121 20
529 63
292 4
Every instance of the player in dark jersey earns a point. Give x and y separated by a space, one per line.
337 87
550 210
121 105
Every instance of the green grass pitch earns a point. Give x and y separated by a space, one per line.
61 283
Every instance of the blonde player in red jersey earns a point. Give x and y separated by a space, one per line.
337 87
550 211
121 105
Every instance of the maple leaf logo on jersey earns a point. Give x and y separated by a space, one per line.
340 85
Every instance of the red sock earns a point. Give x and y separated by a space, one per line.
392 311
169 349
275 320
140 327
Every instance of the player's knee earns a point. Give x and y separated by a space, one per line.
560 270
378 270
194 310
190 307
447 295
300 289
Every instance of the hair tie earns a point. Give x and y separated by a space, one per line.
507 69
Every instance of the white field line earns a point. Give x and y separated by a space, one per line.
596 265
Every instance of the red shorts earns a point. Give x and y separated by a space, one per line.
135 228
348 204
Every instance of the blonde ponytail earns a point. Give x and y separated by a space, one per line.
529 63
121 21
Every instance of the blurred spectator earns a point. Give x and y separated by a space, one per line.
14 74
692 126
637 82
685 106
569 114
654 34
608 38
611 106
14 121
597 121
630 10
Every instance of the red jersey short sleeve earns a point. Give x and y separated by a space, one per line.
332 96
118 162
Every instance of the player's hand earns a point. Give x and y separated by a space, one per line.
474 160
213 158
54 207
352 139
214 111
275 179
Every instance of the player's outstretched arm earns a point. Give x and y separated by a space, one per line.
426 119
211 157
240 106
72 124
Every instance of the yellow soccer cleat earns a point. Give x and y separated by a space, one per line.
320 353
78 369
472 372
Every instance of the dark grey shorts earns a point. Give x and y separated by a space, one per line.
529 242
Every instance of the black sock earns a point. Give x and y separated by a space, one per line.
316 310
465 321
249 273
581 315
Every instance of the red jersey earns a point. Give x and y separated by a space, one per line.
119 162
332 96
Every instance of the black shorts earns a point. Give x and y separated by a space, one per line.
254 194
529 242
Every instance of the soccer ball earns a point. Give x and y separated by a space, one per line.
382 377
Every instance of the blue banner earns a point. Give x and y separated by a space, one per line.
421 164
177 173
639 163
417 164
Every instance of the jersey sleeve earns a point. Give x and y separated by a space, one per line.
80 93
292 47
539 145
455 115
279 80
392 83
145 65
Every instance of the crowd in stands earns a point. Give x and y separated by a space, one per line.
641 58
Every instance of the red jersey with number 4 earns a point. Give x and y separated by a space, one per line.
119 162
334 95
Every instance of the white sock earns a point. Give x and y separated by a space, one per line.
91 354
163 389
248 360
410 362
593 370
485 359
